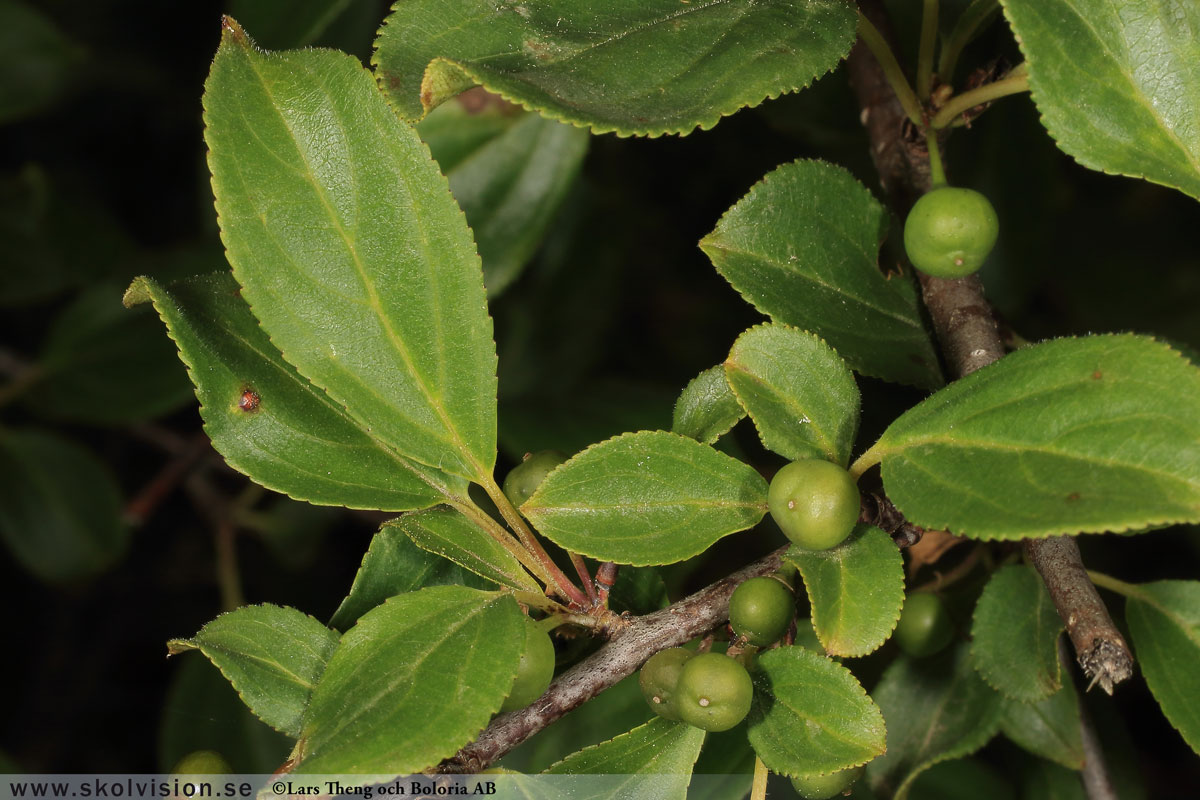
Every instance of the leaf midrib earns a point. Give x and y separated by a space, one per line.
433 400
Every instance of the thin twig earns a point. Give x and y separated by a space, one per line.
160 487
621 657
1094 772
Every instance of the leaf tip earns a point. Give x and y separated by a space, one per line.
140 291
177 646
232 31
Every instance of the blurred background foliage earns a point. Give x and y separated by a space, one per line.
121 528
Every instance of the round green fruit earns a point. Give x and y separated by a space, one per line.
760 610
202 762
535 670
822 787
524 479
924 627
814 502
950 231
660 677
713 693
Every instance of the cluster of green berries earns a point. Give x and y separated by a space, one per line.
708 690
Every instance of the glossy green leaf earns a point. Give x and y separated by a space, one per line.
630 66
1115 83
1164 622
803 248
201 711
810 715
707 408
286 23
395 565
1049 728
287 435
654 759
416 679
646 498
103 364
351 251
509 170
800 394
856 590
447 533
60 508
1072 435
1015 635
36 61
937 709
273 656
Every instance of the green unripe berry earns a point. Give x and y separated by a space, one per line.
814 502
760 610
950 231
660 677
535 670
202 762
822 787
524 479
924 627
713 693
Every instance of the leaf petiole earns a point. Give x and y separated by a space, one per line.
970 23
892 71
929 28
962 103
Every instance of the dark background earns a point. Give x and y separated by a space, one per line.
103 178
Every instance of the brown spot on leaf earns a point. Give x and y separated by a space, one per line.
249 400
1097 375
1073 496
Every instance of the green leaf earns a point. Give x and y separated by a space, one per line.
1071 435
856 590
351 251
105 365
707 408
201 711
1115 83
801 396
937 709
810 715
395 565
803 248
416 679
272 655
295 439
630 66
1049 728
447 533
37 61
1164 622
1015 635
287 23
646 754
646 498
509 170
60 508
